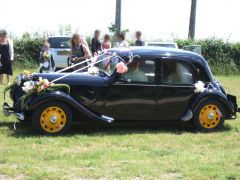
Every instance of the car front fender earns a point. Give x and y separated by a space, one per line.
212 94
36 101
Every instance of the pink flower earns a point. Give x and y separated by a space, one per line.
121 68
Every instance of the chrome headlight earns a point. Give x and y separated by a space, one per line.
18 80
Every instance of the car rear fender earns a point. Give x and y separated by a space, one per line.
212 94
35 102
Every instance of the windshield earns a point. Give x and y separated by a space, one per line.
59 42
107 63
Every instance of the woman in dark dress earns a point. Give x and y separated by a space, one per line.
79 51
6 56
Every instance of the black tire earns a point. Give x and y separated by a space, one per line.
209 123
41 125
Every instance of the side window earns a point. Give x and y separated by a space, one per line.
176 72
141 70
201 74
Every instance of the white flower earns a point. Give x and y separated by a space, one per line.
93 70
199 87
28 86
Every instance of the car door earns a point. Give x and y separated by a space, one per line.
132 98
175 88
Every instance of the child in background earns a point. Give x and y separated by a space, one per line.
106 44
47 64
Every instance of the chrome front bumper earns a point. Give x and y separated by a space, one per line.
7 111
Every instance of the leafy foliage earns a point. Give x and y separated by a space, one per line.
26 50
222 57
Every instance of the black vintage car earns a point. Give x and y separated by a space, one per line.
161 84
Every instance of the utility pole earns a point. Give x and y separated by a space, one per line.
118 16
192 21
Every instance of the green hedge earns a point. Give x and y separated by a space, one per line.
27 51
222 57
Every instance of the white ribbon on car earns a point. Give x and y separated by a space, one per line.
82 62
90 65
131 57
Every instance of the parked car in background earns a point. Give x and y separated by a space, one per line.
162 44
60 49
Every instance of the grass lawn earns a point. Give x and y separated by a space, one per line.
132 152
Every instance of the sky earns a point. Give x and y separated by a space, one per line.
157 19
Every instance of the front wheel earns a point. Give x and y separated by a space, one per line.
52 118
209 116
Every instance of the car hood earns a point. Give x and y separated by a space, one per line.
74 79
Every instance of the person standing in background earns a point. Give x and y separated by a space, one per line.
139 41
96 44
84 41
106 44
79 51
47 64
121 41
6 56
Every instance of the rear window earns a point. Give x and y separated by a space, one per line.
176 72
59 42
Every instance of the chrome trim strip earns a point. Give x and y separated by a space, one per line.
133 84
160 85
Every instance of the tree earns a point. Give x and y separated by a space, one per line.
192 21
65 29
118 16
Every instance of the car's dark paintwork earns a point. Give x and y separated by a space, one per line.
95 96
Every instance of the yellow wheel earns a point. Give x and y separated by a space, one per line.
52 118
209 116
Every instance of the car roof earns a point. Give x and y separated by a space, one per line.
159 52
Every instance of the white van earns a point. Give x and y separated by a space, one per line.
162 44
60 49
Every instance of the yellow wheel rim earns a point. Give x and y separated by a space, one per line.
53 119
210 116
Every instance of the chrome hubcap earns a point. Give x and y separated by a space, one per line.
210 116
53 119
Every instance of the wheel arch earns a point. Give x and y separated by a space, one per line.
37 101
217 96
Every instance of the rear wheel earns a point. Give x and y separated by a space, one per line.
52 118
209 116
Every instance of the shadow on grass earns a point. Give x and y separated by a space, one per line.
98 129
